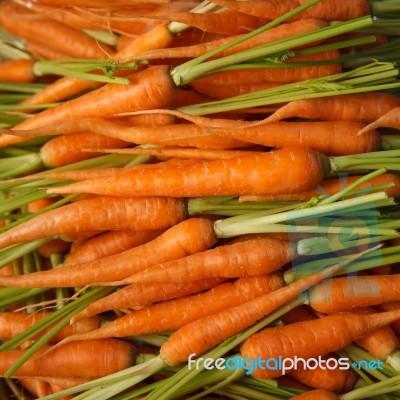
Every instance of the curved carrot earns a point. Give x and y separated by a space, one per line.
13 323
326 334
391 119
20 71
42 50
157 317
269 174
188 237
111 213
91 359
251 257
317 394
346 293
391 306
137 296
108 244
328 10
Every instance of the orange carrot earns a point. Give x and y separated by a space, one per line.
328 10
20 71
42 50
346 293
36 387
363 107
25 24
326 334
137 296
13 323
251 257
108 244
269 174
389 120
91 359
111 213
317 394
188 237
157 317
331 186
391 306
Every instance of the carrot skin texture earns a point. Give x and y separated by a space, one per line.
19 71
112 213
317 394
328 334
346 293
389 120
106 357
157 318
188 237
391 306
234 176
137 296
245 258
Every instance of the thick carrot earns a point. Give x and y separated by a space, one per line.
258 256
157 317
311 339
346 293
25 24
391 119
269 174
13 323
204 333
328 10
188 237
331 186
393 305
363 107
20 71
42 50
279 75
137 296
91 359
108 244
317 394
111 213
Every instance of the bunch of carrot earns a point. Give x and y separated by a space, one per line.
204 180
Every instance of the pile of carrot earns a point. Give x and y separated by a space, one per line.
186 181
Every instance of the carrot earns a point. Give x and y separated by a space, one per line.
20 71
363 107
13 323
390 119
328 10
391 306
25 24
111 213
251 257
42 50
331 186
204 333
36 387
310 339
68 149
108 244
137 296
269 174
157 317
279 75
91 359
317 394
188 237
346 293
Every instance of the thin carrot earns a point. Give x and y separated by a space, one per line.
391 119
108 244
258 256
91 359
188 237
269 174
36 387
13 323
311 338
346 293
137 296
23 23
111 213
391 306
331 186
42 50
20 71
328 10
317 394
157 317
